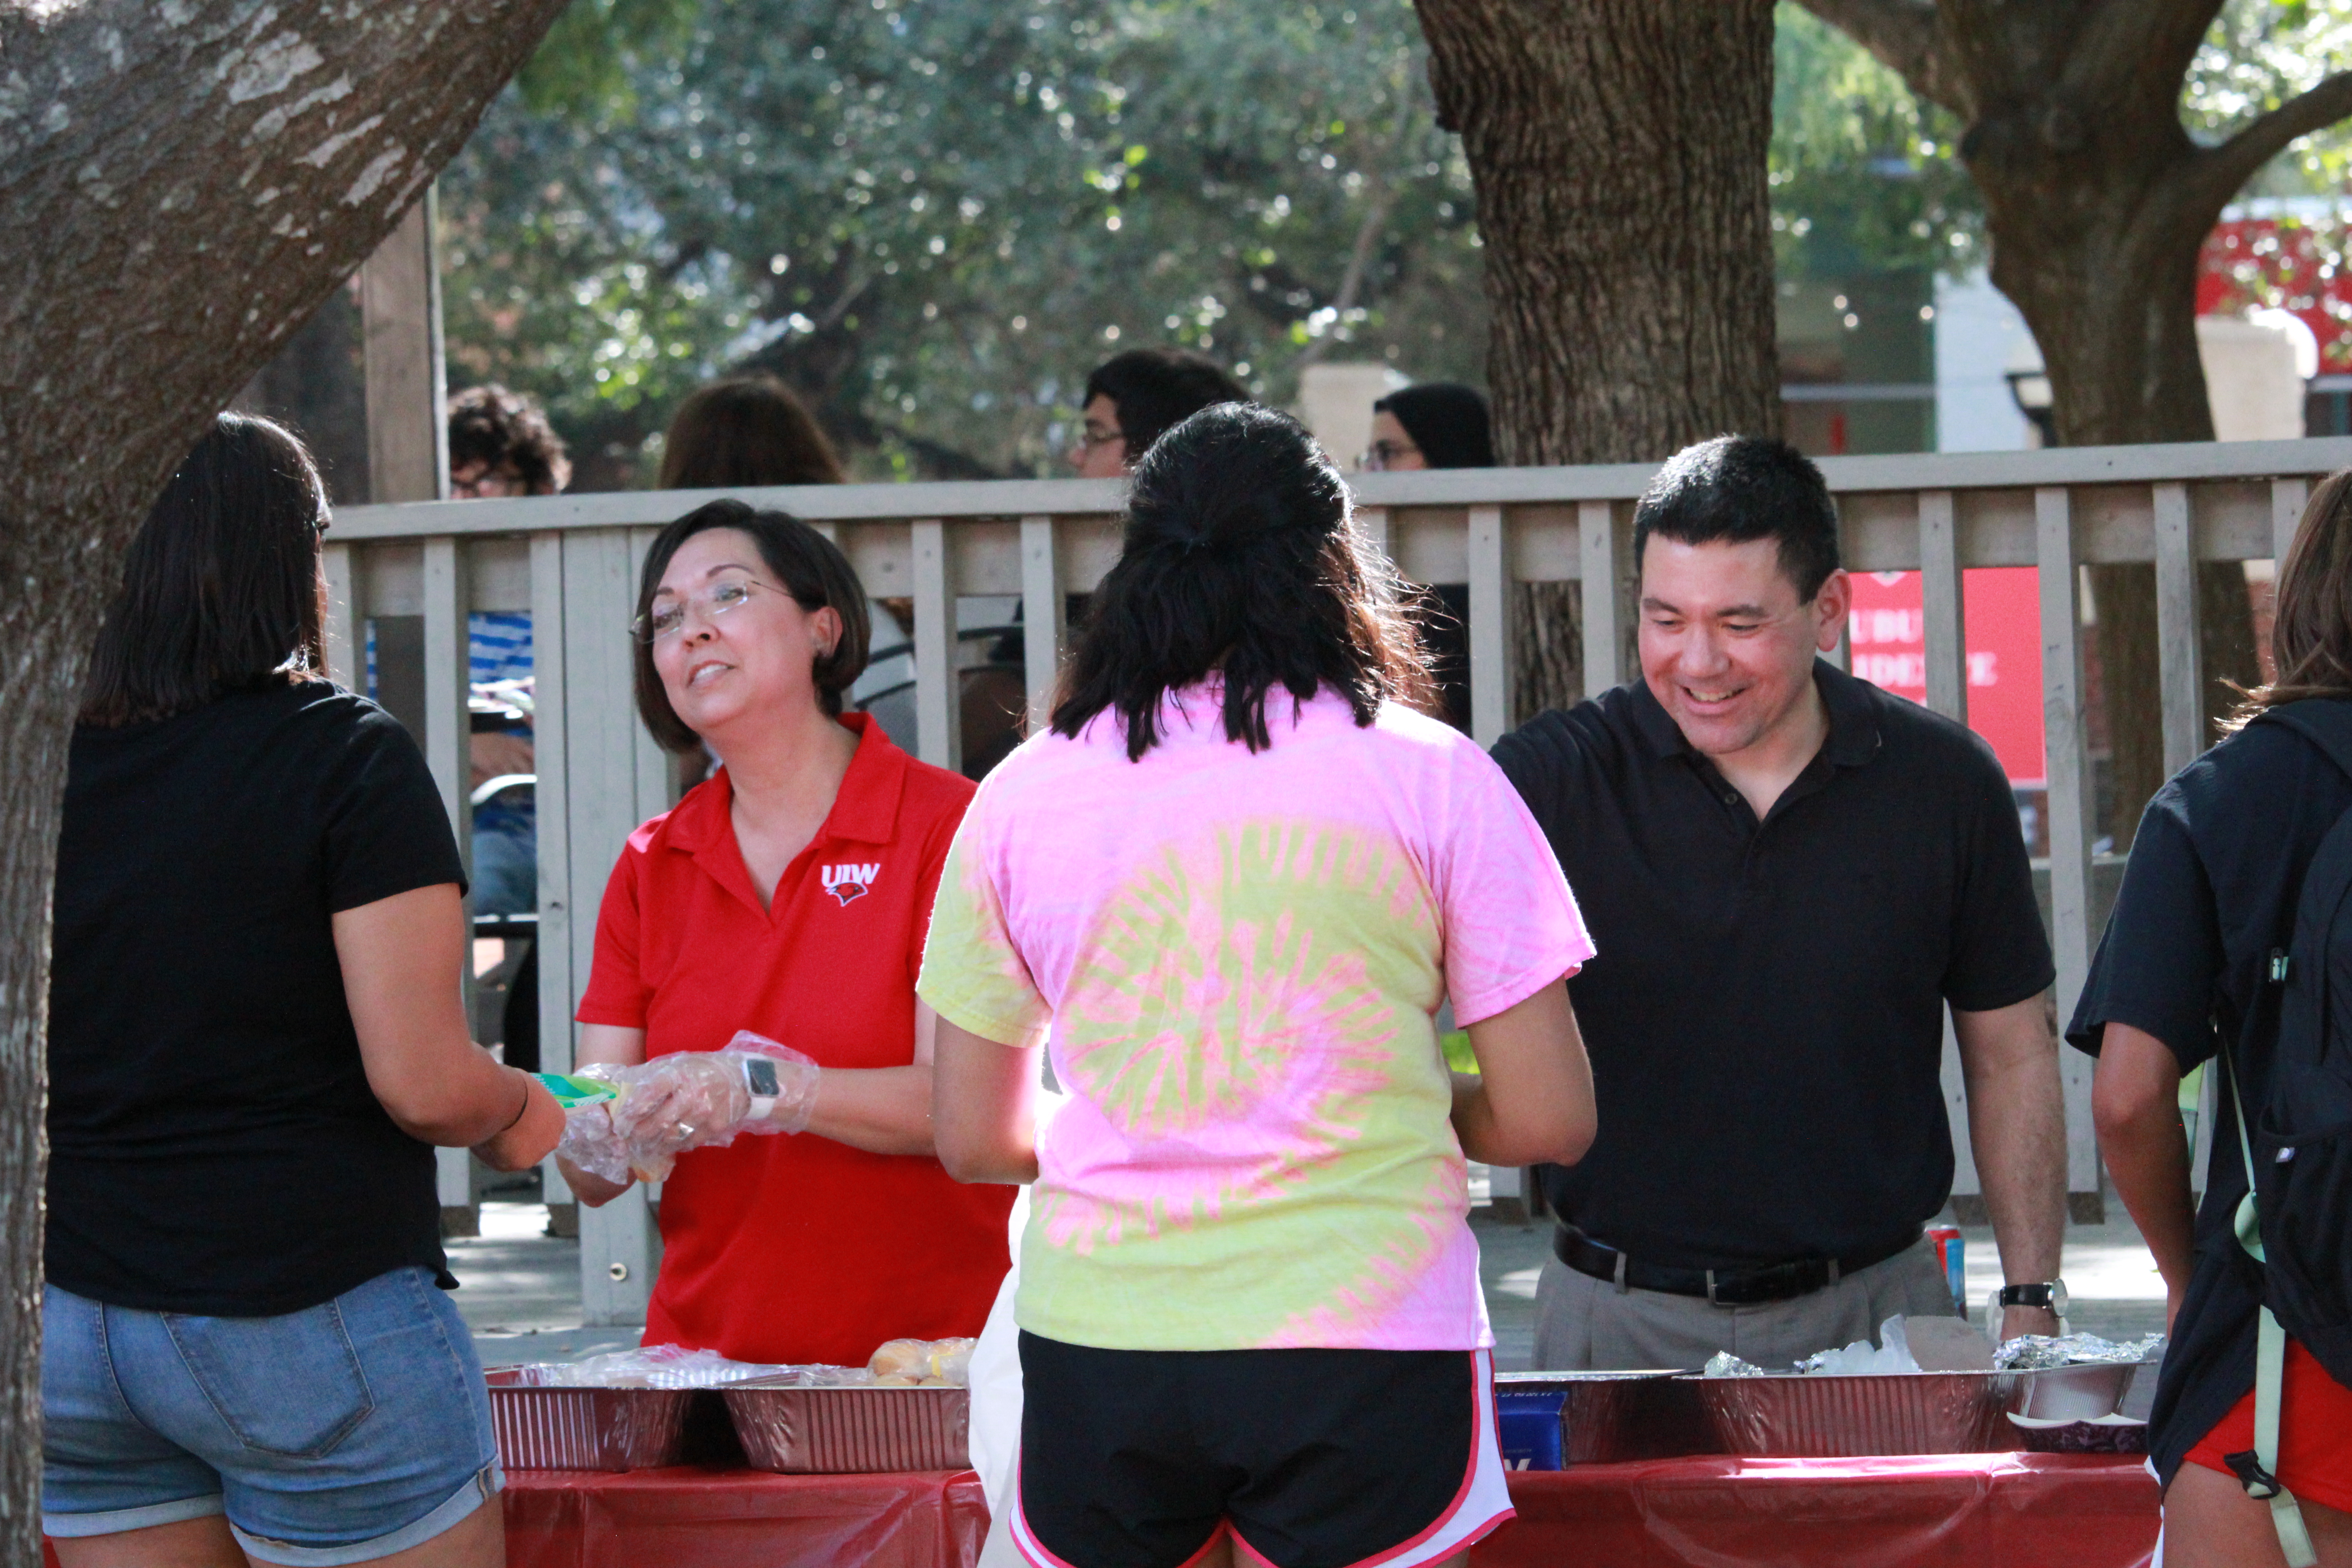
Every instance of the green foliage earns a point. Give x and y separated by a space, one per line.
935 216
2260 54
1865 177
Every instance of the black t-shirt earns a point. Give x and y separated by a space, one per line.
1764 1013
213 1147
2212 887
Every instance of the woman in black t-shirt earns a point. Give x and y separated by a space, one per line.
255 1042
2215 875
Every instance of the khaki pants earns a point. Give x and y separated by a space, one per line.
1588 1324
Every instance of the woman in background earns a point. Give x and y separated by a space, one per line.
254 1044
744 431
1437 424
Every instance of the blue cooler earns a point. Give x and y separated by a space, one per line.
1530 1425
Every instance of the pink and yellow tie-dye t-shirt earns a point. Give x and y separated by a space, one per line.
1240 958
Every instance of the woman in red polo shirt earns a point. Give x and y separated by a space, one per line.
788 894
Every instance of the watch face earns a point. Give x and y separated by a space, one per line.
759 1074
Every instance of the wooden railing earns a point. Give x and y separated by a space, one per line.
571 562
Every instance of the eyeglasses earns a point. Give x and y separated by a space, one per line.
1380 455
664 620
1092 437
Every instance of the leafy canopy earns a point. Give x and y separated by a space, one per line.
935 216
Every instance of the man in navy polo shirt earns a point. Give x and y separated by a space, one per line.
1790 875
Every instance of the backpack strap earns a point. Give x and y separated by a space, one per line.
2257 1469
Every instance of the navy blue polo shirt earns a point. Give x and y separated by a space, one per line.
1765 1014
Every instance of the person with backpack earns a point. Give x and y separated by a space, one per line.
2233 925
1237 877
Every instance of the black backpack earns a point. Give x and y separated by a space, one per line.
2295 1220
2302 1135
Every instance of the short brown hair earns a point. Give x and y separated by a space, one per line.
491 425
2311 623
221 589
811 567
747 430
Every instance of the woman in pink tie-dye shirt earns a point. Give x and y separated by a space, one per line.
1228 889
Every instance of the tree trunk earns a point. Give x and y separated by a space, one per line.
2096 241
182 182
1618 148
2098 202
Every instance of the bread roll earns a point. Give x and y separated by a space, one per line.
901 1358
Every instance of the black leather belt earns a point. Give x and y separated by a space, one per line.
1723 1287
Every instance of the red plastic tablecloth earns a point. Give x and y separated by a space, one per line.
1957 1511
744 1519
1962 1511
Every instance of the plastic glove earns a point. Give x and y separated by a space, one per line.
590 1141
703 1100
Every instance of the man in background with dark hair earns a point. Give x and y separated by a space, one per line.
1789 875
501 444
1133 397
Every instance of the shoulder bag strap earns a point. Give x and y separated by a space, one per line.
2258 1471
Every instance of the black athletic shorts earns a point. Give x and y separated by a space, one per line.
1312 1458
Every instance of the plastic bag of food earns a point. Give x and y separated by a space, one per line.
1891 1355
1723 1363
923 1363
653 1366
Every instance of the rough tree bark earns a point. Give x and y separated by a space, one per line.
182 181
2097 202
1618 148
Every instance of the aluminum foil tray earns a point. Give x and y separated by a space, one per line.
1833 1418
834 1431
1611 1417
586 1428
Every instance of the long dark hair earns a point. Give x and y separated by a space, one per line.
2311 622
1240 557
221 589
811 567
746 430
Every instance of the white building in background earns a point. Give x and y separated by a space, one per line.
1979 336
1335 404
2258 370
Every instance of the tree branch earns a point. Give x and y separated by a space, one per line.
2220 171
1907 37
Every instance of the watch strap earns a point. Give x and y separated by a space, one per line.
2042 1293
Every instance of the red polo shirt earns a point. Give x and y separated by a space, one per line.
799 1249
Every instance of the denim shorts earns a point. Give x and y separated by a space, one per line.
342 1433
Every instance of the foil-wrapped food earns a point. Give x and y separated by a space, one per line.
2038 1353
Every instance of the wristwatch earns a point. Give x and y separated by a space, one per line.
760 1078
2046 1293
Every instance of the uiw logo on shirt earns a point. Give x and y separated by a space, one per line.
848 882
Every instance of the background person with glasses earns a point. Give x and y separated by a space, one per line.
1132 398
787 894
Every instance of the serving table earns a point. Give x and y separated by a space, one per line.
1959 1511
